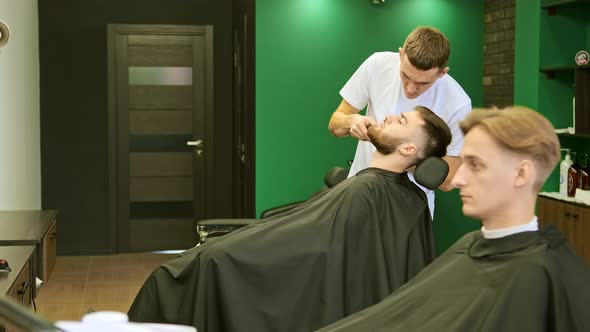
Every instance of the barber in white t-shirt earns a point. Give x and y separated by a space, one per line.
392 83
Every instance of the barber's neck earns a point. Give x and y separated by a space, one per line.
392 162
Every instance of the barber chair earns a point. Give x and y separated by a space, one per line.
334 176
430 173
208 228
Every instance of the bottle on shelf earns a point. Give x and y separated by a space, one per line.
574 111
582 175
563 170
586 173
573 174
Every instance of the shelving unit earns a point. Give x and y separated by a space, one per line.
563 31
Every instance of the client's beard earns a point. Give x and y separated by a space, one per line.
384 144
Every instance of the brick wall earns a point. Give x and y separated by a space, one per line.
498 53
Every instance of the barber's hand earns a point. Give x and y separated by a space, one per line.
358 126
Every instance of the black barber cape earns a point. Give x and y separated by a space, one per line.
530 281
334 255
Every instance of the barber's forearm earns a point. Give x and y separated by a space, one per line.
446 186
454 163
339 124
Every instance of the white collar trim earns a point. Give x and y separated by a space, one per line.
531 226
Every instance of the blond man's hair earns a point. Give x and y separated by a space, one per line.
522 131
427 48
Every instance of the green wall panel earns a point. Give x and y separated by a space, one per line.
562 35
450 223
526 53
305 52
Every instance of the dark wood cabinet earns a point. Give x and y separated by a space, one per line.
18 284
47 252
28 244
573 220
36 227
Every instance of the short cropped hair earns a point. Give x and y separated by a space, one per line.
522 131
427 48
436 134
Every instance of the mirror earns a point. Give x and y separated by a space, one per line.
4 34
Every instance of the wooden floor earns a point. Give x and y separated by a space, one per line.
80 283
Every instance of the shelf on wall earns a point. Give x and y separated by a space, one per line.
558 197
551 5
550 71
573 135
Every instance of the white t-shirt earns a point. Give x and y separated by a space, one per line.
377 85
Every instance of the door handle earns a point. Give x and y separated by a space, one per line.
198 143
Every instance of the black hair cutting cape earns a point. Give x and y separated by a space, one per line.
531 281
332 256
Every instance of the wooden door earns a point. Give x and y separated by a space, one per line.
161 88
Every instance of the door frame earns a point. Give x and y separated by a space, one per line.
244 108
119 232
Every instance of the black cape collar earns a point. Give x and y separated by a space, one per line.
401 176
480 247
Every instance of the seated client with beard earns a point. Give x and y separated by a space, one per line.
338 253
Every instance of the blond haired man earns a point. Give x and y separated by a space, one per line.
509 276
389 83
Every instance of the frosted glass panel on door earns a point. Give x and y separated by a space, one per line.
160 75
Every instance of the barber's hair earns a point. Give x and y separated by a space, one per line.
522 131
427 48
436 134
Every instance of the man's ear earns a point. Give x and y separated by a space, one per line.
407 149
525 173
401 52
443 72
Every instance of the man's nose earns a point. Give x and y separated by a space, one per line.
458 179
412 87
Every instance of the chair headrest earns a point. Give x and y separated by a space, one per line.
335 175
431 172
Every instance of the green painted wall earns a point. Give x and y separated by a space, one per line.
306 50
526 53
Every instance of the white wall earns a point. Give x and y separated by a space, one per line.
20 162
